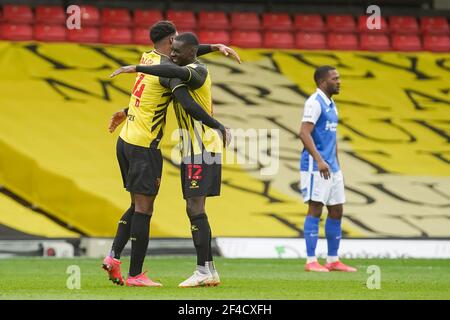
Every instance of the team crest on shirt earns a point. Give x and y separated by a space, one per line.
194 184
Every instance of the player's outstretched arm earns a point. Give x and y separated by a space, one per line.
183 96
226 51
161 70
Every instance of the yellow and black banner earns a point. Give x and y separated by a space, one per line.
56 152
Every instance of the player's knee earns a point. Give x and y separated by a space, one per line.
144 208
194 207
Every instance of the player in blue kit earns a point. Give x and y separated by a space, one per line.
322 183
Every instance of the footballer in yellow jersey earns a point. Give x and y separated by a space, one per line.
148 104
201 166
140 158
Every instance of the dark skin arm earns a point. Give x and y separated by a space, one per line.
161 70
305 135
227 51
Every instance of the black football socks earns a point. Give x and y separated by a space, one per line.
140 228
201 235
123 233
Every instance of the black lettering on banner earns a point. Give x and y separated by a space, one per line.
428 125
432 186
34 48
440 155
275 67
59 65
303 58
248 98
382 188
403 219
360 224
290 224
265 192
387 121
297 90
412 68
367 198
279 124
337 62
231 68
361 105
441 63
106 53
59 85
414 95
379 169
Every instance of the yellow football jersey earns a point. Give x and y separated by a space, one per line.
196 137
147 111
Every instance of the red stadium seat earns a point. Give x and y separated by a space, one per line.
90 16
277 22
214 36
142 36
278 39
116 17
342 41
17 13
436 43
341 23
50 15
246 39
49 32
146 18
115 35
245 21
310 40
403 25
434 25
84 35
363 28
406 42
18 32
213 20
374 42
309 23
184 20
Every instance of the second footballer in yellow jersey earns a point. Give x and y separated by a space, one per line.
140 158
201 147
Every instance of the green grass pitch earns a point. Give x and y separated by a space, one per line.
242 279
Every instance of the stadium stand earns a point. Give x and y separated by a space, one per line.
50 15
304 27
309 23
246 39
245 21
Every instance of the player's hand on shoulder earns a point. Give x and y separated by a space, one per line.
124 69
116 119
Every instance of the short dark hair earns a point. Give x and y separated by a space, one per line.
162 29
188 38
321 72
